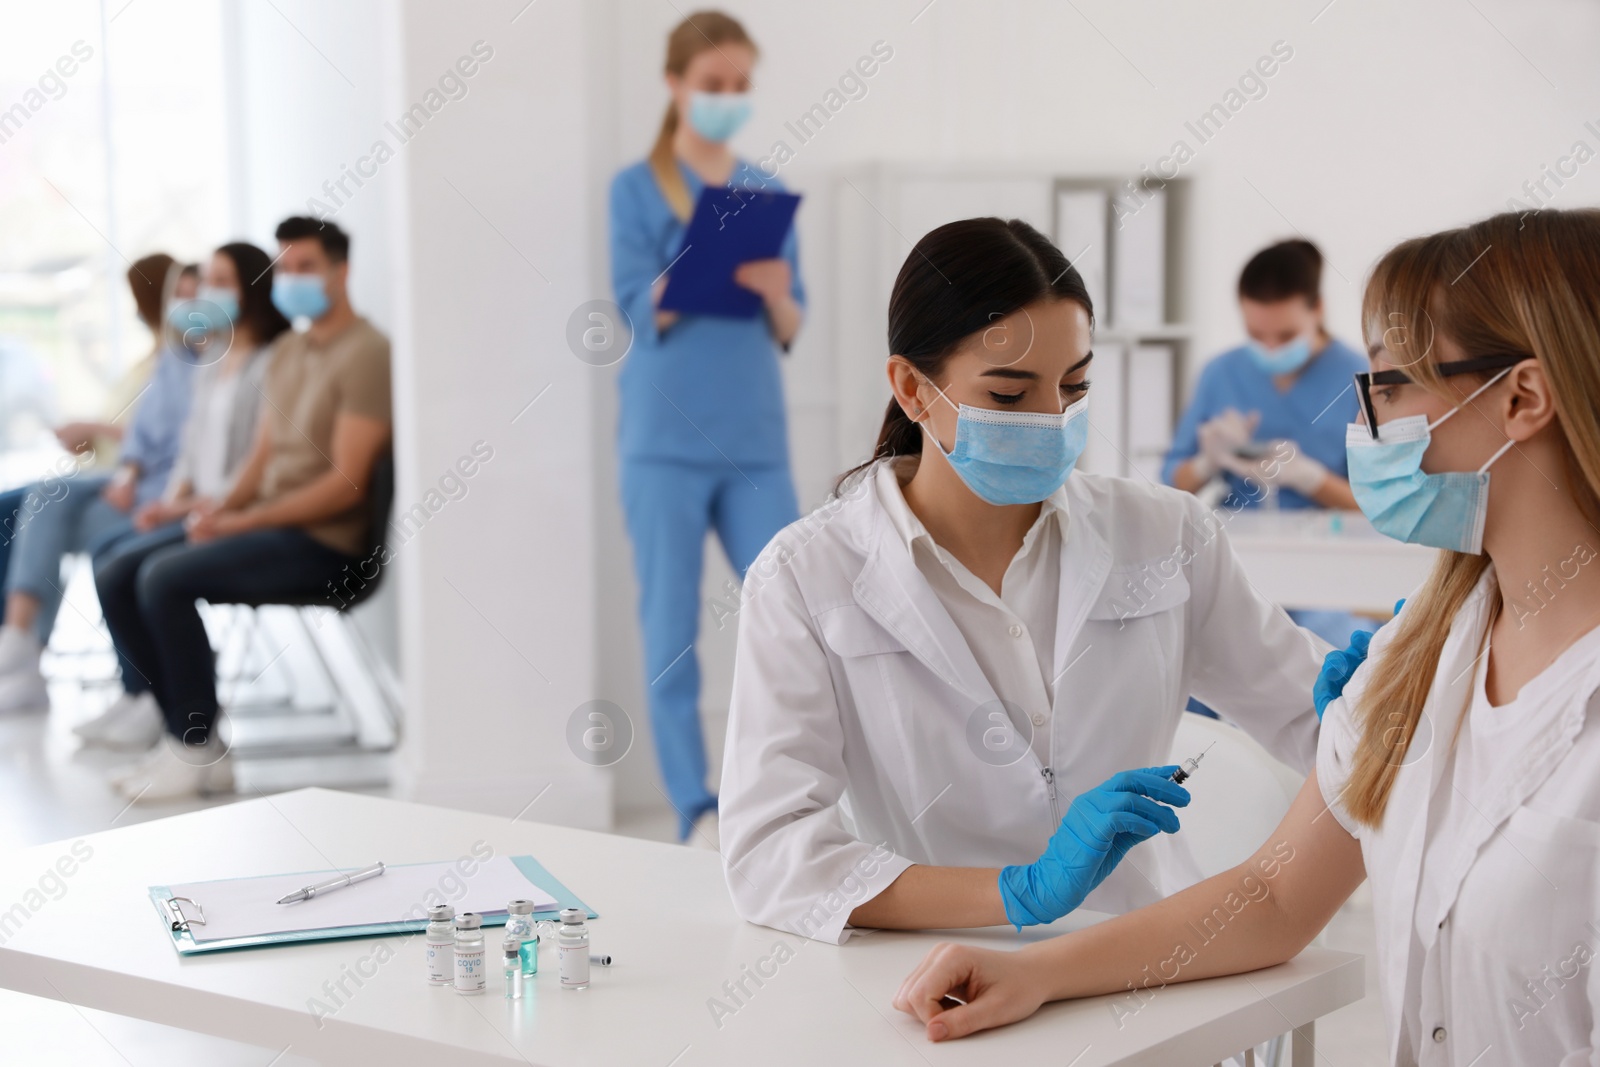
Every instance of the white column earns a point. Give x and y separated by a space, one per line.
494 232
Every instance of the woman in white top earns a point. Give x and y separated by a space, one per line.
1461 766
234 325
949 676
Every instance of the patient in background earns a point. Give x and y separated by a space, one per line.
295 520
91 510
230 334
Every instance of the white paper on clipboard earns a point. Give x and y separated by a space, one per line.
247 907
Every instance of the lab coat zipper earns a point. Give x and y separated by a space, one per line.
1050 783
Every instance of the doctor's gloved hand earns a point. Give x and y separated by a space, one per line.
1337 668
1099 829
1220 439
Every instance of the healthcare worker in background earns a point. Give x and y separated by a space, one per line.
953 679
1461 765
1268 417
702 434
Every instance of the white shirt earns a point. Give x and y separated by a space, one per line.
1012 634
857 739
212 418
1486 870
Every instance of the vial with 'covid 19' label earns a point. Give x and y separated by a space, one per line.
469 953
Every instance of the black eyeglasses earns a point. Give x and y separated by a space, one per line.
1365 380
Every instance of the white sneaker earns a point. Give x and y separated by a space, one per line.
18 648
705 832
132 723
123 772
22 688
175 771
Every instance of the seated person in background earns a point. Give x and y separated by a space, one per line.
88 511
1269 416
295 519
231 333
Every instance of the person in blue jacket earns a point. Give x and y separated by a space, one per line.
1269 416
702 437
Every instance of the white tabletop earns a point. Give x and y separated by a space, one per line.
665 917
1325 559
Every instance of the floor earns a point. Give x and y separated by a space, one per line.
51 788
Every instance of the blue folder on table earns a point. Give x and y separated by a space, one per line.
184 915
729 227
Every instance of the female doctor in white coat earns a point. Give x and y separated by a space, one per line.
1460 770
950 676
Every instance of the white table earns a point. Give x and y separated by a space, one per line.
1325 559
665 916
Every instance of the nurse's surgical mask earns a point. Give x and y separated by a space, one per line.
718 116
1439 510
1015 457
1285 359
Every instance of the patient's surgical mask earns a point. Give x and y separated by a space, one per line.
1444 510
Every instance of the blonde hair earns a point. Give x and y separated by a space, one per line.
695 34
1511 283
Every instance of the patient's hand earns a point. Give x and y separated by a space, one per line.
998 988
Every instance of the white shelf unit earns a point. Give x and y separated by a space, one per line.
883 209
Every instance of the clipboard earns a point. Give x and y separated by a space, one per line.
728 227
179 913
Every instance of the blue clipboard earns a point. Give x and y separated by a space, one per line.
174 917
729 227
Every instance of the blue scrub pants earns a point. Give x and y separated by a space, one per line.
669 507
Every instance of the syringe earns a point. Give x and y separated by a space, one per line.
1190 765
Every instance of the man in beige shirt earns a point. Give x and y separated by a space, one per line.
297 517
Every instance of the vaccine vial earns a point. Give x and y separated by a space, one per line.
440 939
530 956
519 924
469 953
512 966
572 949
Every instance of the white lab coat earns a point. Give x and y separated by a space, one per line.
851 750
1525 905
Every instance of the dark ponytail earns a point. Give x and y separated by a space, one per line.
958 280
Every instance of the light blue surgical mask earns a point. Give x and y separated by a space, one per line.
1401 500
213 310
1015 457
718 116
1285 359
300 296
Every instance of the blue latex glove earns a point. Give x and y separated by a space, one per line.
1337 667
1099 829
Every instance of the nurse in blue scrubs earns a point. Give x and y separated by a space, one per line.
1269 416
702 436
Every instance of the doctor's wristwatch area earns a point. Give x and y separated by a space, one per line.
457 953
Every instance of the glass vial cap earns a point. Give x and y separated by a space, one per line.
520 907
573 916
441 913
469 920
512 945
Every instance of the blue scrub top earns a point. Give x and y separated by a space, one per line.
156 430
1313 413
709 390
